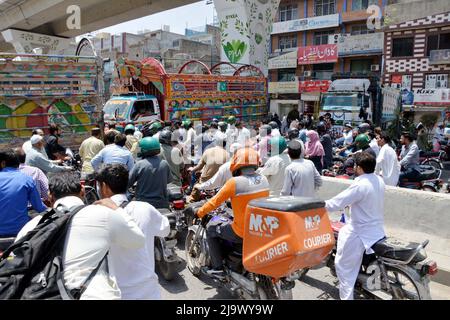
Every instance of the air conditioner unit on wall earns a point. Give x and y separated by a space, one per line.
307 74
375 67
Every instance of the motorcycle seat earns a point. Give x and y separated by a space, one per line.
174 195
429 154
397 250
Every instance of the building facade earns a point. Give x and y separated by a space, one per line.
314 39
417 54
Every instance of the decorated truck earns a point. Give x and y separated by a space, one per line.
37 90
202 94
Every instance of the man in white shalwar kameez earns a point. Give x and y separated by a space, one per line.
365 197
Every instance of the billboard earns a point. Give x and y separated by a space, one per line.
326 53
320 22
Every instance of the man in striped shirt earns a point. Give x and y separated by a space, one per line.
39 178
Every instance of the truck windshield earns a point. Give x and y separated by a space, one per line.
332 102
116 109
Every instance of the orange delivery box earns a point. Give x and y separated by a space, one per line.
285 234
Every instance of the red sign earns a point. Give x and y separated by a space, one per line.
318 54
314 86
396 78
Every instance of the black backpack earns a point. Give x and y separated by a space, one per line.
35 271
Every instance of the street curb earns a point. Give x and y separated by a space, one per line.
442 277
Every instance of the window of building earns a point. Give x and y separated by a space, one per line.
322 37
287 42
323 71
362 4
361 29
361 65
403 47
285 75
436 81
288 12
324 7
438 42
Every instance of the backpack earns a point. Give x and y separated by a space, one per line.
35 271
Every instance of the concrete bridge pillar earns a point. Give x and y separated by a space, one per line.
246 26
29 42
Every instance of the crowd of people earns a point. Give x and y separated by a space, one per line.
116 234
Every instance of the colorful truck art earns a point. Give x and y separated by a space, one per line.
36 90
200 96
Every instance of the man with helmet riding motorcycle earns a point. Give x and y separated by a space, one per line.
151 175
245 186
276 165
362 143
172 155
325 140
132 141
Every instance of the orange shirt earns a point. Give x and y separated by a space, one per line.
241 190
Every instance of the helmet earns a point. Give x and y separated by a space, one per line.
223 126
156 125
215 120
273 124
293 133
265 130
165 137
130 128
362 141
321 127
187 123
277 144
243 158
231 120
149 144
348 125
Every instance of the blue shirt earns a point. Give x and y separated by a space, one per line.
113 154
16 190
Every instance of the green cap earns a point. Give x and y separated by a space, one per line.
186 123
277 144
231 120
156 125
149 144
362 141
130 127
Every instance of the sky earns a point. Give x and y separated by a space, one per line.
194 15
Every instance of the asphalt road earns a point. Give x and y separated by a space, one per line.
318 284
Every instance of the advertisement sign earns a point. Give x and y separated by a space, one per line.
318 54
245 27
283 87
358 44
440 56
437 97
314 86
320 22
288 60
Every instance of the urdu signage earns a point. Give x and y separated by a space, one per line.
318 54
440 56
358 44
288 60
320 22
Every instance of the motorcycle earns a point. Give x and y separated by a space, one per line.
177 206
166 259
433 159
430 180
237 280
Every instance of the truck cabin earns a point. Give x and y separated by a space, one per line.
134 108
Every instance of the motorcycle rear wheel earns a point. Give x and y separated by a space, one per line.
167 270
192 260
267 290
404 286
433 163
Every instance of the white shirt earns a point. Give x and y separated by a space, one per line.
374 145
274 170
348 137
219 179
365 197
92 231
275 133
388 166
135 268
301 178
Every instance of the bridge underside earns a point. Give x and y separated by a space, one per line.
50 17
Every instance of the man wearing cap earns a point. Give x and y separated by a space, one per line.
27 145
35 157
347 136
